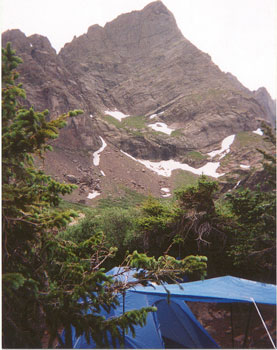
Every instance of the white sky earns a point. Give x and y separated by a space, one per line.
239 35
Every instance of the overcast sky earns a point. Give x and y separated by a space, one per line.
239 35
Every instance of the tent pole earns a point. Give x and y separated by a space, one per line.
232 326
263 322
123 310
247 326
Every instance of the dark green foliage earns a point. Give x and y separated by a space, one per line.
118 225
200 227
75 273
254 231
199 196
166 267
269 163
27 196
254 222
146 229
83 229
44 275
120 228
155 223
198 218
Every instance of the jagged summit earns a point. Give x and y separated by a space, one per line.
157 7
152 10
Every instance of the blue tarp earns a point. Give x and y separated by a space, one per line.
225 289
173 325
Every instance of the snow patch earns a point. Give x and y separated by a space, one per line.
102 172
91 115
93 194
96 155
237 184
162 127
225 147
258 132
167 192
165 167
245 166
166 195
156 115
117 115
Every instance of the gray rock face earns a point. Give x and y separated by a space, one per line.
46 80
139 64
268 103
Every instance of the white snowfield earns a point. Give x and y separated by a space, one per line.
117 115
162 127
93 194
165 167
245 166
258 132
96 155
225 147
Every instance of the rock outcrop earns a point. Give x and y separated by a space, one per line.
269 105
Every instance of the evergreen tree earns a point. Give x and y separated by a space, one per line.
48 283
156 223
27 197
198 218
201 227
253 248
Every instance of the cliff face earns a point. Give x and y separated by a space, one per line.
269 105
45 78
141 65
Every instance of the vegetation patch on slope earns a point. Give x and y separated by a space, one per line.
134 122
183 178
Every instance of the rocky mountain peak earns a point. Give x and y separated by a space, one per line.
157 7
22 43
17 38
176 104
133 30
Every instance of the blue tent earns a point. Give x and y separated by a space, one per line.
226 289
173 325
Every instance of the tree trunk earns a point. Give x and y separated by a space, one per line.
68 337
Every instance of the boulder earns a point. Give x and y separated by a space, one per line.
71 178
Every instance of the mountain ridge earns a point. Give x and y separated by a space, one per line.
140 65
